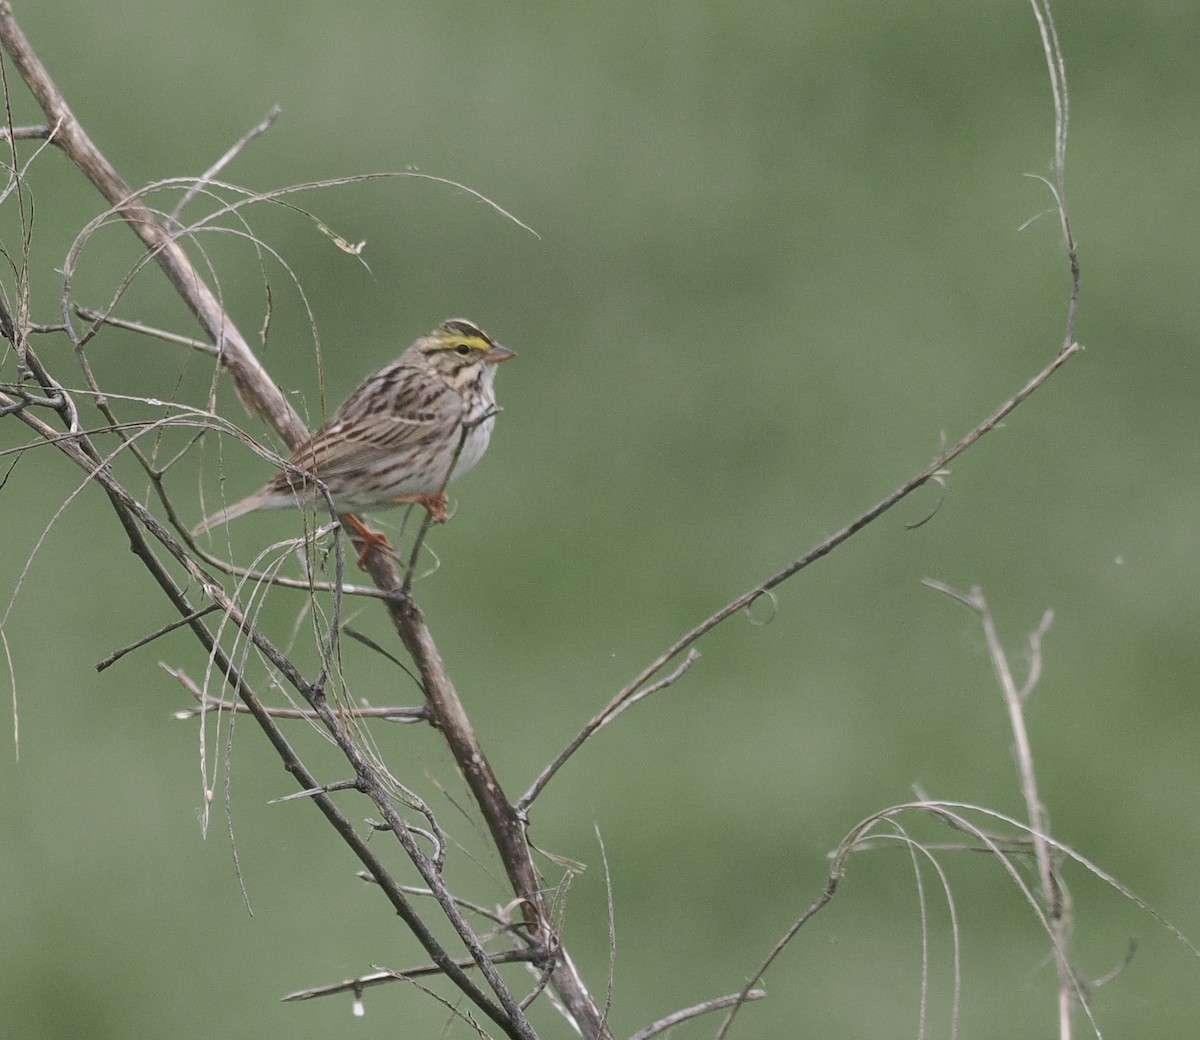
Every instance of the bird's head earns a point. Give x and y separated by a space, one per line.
461 352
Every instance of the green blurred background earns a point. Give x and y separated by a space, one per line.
779 258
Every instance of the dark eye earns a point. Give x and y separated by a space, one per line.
462 350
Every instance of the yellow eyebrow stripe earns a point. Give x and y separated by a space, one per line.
474 342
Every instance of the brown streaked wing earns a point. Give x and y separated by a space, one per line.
361 433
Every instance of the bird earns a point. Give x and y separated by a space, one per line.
400 437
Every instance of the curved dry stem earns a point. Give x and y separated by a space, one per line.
953 813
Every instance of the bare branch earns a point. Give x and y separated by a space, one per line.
235 149
1052 888
209 703
89 314
380 978
336 785
678 1017
817 552
1057 69
116 655
26 133
1035 655
625 700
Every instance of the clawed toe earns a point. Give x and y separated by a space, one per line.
371 539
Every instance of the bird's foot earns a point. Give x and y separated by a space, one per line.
434 504
371 539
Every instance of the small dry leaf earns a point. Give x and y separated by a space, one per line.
341 243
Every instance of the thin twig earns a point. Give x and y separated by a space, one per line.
610 902
209 175
209 703
26 133
1056 68
370 644
1035 655
93 315
380 978
336 785
427 520
1051 885
611 711
496 918
116 655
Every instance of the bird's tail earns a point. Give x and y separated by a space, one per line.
223 516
